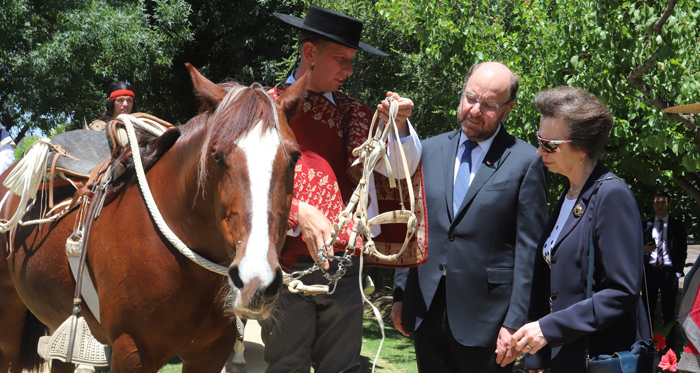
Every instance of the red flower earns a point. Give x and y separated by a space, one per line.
659 341
669 361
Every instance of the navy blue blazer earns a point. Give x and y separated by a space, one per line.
676 242
614 318
488 248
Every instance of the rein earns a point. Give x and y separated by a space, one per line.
129 123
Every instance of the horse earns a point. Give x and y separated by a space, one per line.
223 183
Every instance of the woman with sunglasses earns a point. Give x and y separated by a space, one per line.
597 206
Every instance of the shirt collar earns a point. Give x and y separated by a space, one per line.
485 145
665 219
328 95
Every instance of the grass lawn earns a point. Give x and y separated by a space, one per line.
397 353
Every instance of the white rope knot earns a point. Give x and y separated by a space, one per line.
296 287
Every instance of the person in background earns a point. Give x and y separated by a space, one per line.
486 193
121 100
664 260
7 150
597 206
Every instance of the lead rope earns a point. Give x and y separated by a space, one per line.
377 315
129 123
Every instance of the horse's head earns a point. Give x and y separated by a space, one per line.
248 163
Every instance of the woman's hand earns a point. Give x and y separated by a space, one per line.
529 338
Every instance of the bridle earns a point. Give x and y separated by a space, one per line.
369 154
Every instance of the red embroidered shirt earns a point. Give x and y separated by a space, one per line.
326 134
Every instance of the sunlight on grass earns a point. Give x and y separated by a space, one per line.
397 353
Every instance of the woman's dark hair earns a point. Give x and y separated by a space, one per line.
588 119
110 103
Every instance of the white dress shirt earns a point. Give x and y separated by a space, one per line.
478 153
551 241
7 157
655 235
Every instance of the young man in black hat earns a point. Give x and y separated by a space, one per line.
325 331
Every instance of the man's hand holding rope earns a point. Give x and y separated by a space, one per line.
315 228
405 111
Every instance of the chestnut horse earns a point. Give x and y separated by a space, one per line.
223 183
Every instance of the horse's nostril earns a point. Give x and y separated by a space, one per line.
274 287
235 277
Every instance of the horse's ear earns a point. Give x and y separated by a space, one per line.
290 99
210 93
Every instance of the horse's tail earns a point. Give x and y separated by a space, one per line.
33 330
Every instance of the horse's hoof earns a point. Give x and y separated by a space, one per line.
43 347
236 368
85 369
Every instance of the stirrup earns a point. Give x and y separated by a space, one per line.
73 343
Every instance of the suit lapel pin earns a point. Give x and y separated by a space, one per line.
488 162
578 211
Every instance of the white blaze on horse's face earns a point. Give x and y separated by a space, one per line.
260 148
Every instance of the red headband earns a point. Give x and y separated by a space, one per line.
120 93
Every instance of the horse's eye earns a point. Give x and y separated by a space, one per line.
294 158
218 156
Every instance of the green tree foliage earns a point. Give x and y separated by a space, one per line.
636 56
57 58
239 40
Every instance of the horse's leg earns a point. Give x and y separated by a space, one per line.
236 361
126 357
19 330
12 315
210 359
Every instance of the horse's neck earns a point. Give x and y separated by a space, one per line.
187 209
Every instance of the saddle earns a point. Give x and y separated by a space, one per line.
88 160
83 156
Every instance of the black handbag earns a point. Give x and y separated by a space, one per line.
641 358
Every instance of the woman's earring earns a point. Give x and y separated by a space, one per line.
580 158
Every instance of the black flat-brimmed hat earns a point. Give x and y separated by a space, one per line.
336 27
684 109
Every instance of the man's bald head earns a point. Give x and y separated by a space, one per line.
496 70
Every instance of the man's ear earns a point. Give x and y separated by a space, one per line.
510 106
309 52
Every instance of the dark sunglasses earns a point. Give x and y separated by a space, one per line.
550 146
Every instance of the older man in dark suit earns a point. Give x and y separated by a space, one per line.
487 206
664 256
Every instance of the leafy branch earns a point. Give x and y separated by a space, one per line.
635 78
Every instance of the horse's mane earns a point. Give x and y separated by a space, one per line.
152 149
238 112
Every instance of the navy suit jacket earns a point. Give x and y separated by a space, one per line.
488 248
614 318
676 242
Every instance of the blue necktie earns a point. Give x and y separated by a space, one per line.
463 176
